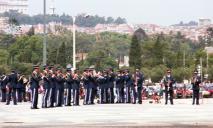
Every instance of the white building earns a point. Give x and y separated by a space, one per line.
3 23
204 22
19 5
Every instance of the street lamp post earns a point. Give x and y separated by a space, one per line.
45 37
74 44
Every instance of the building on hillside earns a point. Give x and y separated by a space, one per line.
17 5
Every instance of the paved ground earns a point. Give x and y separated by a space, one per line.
182 114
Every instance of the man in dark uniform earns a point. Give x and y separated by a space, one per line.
20 86
120 87
111 75
46 86
4 81
34 86
106 86
59 88
12 87
52 94
92 86
129 84
196 81
76 87
101 81
68 86
168 82
85 80
139 78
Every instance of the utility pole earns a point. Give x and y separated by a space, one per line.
201 69
74 44
45 37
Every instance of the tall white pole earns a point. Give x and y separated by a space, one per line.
45 37
74 44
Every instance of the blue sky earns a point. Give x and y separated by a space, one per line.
162 12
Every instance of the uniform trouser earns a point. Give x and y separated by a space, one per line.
24 94
76 96
102 96
34 97
59 97
45 98
52 97
128 96
120 95
106 96
19 94
91 95
3 95
111 95
195 97
11 93
68 96
133 95
86 96
170 94
139 91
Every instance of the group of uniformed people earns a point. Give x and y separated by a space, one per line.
64 88
13 87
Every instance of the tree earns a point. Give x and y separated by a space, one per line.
135 54
31 32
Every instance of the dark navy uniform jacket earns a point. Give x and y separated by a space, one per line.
20 83
196 85
59 82
111 80
68 81
128 80
76 83
13 80
92 83
120 81
140 79
4 81
47 82
34 81
166 79
101 80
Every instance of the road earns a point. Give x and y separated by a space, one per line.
182 114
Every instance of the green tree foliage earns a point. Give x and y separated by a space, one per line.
82 20
135 54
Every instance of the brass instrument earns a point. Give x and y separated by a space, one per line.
20 78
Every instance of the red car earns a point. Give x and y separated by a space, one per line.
210 89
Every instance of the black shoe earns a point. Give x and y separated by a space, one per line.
15 104
7 103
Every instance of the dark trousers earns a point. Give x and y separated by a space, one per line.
68 97
133 95
45 98
3 95
195 97
101 96
120 95
139 94
111 95
86 96
128 97
59 97
52 97
76 96
106 95
11 93
169 93
34 98
24 94
19 94
92 93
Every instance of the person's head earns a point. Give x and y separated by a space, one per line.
195 73
168 72
36 68
58 70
